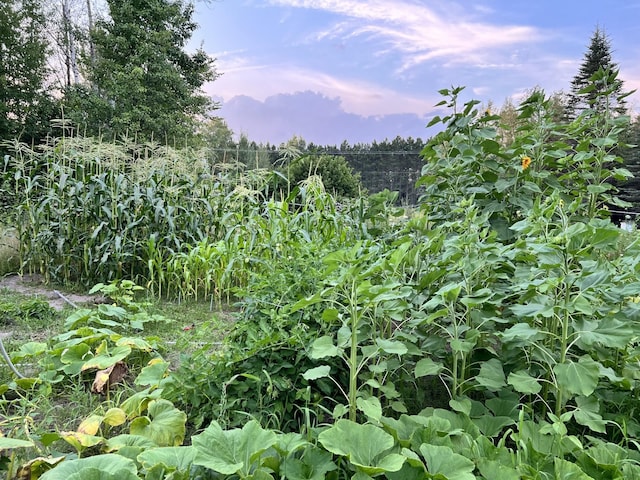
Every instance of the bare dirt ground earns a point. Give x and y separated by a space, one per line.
33 285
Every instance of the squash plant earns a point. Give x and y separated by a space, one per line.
95 339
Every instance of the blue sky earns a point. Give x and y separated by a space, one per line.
334 70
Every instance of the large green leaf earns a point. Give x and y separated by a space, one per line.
391 346
365 446
75 357
232 451
78 317
521 334
153 373
426 366
324 347
371 407
315 373
14 443
494 470
129 446
491 426
135 343
290 442
491 375
114 444
137 403
566 470
29 349
110 466
578 378
171 458
444 461
80 441
630 471
461 404
522 382
608 332
165 424
313 465
402 428
587 413
532 310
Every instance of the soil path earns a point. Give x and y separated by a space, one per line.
33 285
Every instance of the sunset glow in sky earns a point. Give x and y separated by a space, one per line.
363 70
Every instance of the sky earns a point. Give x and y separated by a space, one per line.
365 70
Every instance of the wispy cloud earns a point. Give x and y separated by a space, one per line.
421 33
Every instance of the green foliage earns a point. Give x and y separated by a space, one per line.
363 310
103 467
366 446
234 451
599 94
142 82
466 164
94 339
25 104
630 188
336 174
119 220
33 312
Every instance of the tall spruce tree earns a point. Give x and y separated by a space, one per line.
142 82
587 93
25 105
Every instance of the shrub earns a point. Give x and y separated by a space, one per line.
337 176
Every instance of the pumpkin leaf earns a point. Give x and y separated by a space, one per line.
365 446
232 451
110 466
165 424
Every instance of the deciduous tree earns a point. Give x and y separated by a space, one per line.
25 106
142 82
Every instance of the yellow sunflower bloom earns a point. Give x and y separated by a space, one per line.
526 161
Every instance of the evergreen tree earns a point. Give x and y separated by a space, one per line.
142 82
25 106
587 86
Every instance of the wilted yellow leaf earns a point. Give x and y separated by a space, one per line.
80 441
91 425
115 417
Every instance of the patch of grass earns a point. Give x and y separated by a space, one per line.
25 318
194 327
193 320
